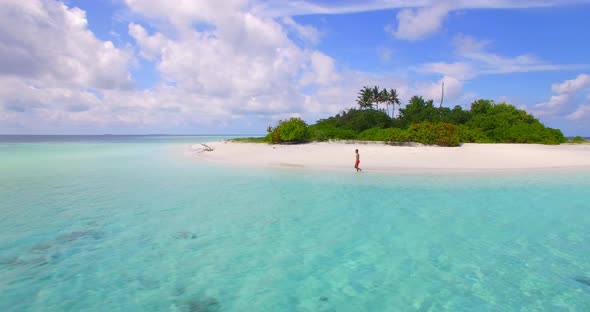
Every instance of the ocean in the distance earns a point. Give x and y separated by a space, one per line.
113 223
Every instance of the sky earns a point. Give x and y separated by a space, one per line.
238 66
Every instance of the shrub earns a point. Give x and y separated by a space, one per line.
292 130
400 136
469 135
377 134
316 134
249 140
502 123
324 133
273 136
443 134
531 133
578 140
554 136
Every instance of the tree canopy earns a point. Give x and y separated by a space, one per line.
420 121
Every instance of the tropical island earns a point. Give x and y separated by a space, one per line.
417 137
419 121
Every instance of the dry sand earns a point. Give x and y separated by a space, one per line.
377 157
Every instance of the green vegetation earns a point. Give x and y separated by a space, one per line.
294 130
356 120
578 140
441 133
369 98
419 121
504 123
249 140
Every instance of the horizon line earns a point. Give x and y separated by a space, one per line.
142 134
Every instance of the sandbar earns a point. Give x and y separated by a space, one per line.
380 157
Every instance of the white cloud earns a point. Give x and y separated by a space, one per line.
238 65
568 94
582 113
217 63
292 8
49 44
258 59
574 85
416 19
461 70
332 99
416 24
468 44
151 46
243 65
53 69
308 34
323 70
162 106
452 89
555 103
183 13
18 95
474 61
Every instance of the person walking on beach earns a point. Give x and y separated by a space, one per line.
358 161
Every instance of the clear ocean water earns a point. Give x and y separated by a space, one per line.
140 224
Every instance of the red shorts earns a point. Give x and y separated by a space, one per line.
357 163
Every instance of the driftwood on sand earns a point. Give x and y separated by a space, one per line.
204 148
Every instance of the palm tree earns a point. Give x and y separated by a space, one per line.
383 98
365 98
393 98
376 96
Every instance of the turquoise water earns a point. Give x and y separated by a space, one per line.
140 224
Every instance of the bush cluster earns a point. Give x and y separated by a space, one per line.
420 121
442 134
356 120
325 133
530 133
578 140
294 130
377 134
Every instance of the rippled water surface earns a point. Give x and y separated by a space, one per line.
140 224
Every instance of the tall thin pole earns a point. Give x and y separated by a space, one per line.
442 96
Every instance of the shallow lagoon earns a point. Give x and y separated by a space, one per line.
140 224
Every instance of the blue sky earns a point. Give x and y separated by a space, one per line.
236 66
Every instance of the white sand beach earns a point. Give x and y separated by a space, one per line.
376 157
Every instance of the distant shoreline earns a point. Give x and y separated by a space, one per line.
73 138
376 157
